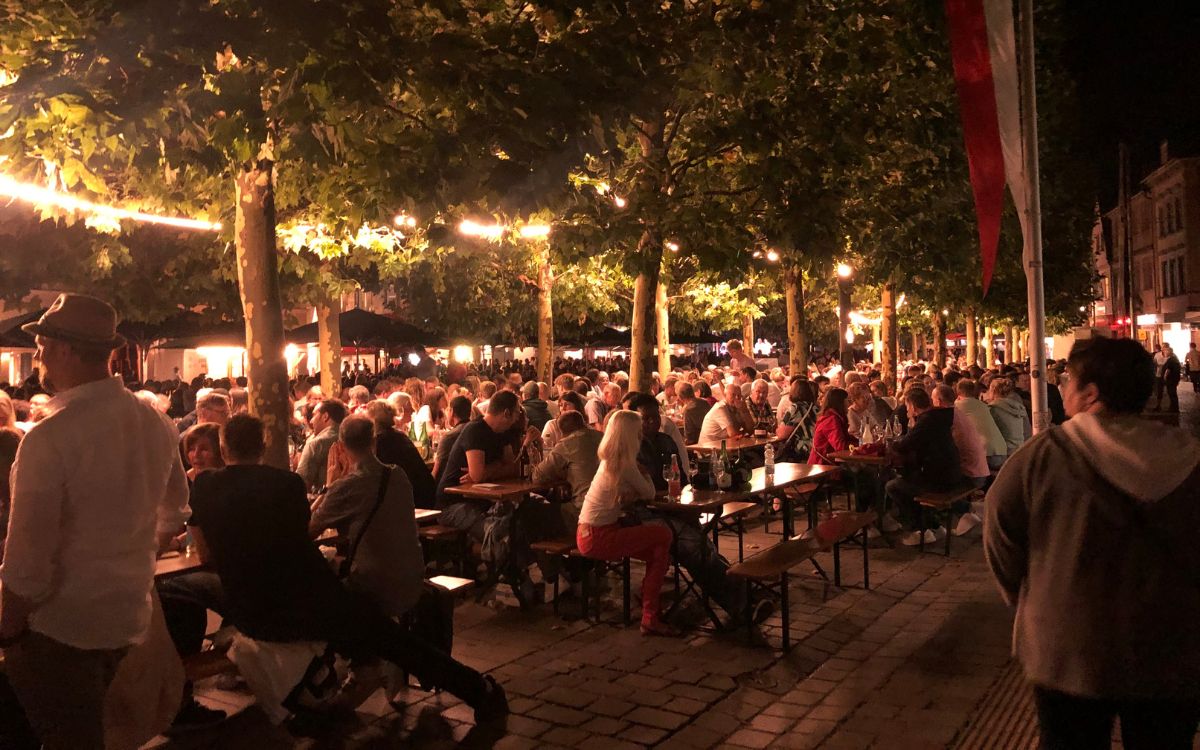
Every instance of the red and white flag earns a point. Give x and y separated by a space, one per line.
983 47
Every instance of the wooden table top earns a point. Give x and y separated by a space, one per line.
707 501
859 458
175 563
742 443
506 489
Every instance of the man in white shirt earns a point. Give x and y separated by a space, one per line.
88 517
727 420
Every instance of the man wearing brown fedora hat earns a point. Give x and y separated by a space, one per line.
87 519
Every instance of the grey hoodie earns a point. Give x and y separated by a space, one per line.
1090 531
1012 420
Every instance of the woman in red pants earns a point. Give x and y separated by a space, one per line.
619 481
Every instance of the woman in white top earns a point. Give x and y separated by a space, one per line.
618 482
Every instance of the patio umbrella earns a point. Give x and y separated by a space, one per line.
361 328
11 335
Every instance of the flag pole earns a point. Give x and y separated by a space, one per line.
1033 238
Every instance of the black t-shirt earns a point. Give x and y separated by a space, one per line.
255 523
395 448
655 453
476 436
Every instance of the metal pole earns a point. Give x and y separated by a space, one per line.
1033 208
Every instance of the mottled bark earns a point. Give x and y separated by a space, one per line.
748 333
793 283
642 360
939 340
662 315
890 335
545 321
258 281
1010 344
329 343
972 339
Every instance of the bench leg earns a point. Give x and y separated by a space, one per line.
749 615
837 564
921 528
949 516
556 577
866 561
625 589
787 618
740 532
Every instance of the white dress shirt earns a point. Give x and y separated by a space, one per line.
91 485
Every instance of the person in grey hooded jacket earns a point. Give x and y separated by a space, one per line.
1008 412
1090 532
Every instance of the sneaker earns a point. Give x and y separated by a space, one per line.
494 704
966 524
763 609
808 534
194 716
363 681
913 539
938 534
979 508
890 525
873 532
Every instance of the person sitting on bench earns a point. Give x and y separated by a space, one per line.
929 462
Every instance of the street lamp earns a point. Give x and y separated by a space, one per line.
845 335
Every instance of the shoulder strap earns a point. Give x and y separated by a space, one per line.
383 485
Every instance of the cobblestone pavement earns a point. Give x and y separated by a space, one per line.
912 663
902 665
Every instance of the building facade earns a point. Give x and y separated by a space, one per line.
1162 250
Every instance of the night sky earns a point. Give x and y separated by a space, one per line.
1137 63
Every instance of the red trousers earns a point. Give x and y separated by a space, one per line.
650 543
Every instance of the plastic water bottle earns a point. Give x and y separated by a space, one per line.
769 459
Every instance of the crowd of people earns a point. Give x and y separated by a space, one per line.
188 473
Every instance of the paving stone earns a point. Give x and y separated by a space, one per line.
559 715
643 735
611 707
604 725
657 718
751 738
568 736
565 696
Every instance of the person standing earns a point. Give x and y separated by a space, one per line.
1192 365
87 520
1090 533
1170 379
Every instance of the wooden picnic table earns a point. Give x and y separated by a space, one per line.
856 457
176 563
496 492
787 475
877 466
742 443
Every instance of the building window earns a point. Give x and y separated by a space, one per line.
1178 213
1162 222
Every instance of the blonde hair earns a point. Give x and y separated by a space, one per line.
1000 388
8 412
622 438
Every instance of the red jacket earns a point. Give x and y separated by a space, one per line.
831 434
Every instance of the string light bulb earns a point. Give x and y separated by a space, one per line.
40 196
